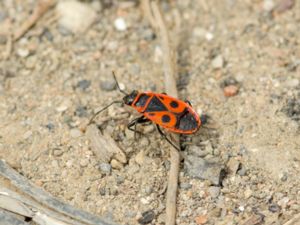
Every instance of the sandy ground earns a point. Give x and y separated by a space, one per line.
54 79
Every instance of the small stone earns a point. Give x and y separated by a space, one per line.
233 165
283 202
284 5
140 158
274 208
75 133
148 35
268 5
248 193
185 186
214 191
242 171
105 168
199 168
50 126
230 90
108 85
130 214
147 217
81 111
148 190
116 164
209 36
202 219
58 152
27 134
217 62
62 108
102 191
197 151
120 180
283 176
75 16
84 162
292 83
120 24
83 84
23 52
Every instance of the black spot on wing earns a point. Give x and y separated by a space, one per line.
165 119
174 104
142 100
187 122
155 105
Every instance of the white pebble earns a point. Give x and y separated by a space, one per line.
120 24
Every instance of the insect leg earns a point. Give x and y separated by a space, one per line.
165 136
134 122
188 102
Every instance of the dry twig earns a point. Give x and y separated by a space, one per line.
41 8
293 221
170 87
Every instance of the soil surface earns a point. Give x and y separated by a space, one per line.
238 64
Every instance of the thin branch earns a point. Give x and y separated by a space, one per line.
41 8
169 60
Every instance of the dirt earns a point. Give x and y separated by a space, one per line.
53 81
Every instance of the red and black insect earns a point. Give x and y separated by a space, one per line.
165 111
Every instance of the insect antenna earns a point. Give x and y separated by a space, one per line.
101 110
118 86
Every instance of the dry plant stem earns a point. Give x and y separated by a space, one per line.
42 7
170 87
294 221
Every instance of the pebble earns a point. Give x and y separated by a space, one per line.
116 164
84 162
61 108
58 152
105 168
108 85
233 165
81 111
75 133
292 83
147 217
185 186
120 24
22 52
214 191
199 168
197 151
268 5
140 158
248 193
75 16
230 90
217 62
120 180
283 202
27 134
83 84
242 171
148 34
274 208
202 219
